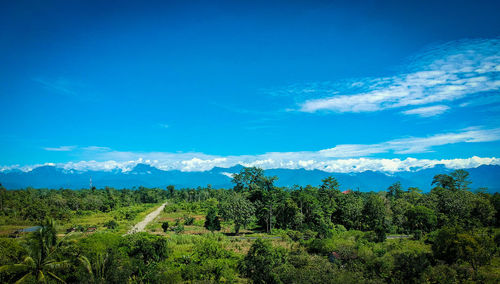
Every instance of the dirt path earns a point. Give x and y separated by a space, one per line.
139 227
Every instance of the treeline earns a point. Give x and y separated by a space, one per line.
39 204
316 210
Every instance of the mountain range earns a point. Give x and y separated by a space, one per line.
145 175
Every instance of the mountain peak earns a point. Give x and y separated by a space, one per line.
144 169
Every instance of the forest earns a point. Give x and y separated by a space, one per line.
254 232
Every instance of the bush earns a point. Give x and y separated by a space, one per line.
179 229
263 262
111 224
164 226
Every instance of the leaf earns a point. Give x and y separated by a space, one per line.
55 277
41 277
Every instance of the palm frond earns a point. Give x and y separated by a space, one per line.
86 263
14 268
41 277
55 277
52 264
24 278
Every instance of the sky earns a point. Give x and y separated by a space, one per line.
341 86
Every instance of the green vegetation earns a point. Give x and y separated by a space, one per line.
255 232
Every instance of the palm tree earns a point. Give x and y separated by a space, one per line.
41 262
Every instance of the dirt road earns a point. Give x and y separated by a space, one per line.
139 227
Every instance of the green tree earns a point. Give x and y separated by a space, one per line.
247 179
444 181
395 190
375 214
171 191
421 218
269 196
327 194
212 222
238 209
3 196
350 211
461 179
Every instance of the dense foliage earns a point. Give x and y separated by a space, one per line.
268 234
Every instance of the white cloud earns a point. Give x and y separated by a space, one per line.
336 165
60 148
229 175
341 158
427 111
446 73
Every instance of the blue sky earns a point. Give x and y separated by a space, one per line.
332 85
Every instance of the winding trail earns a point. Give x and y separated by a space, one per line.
139 227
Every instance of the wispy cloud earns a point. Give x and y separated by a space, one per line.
60 148
163 125
60 85
341 158
446 73
414 145
427 111
96 148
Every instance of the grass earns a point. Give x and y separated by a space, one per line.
88 219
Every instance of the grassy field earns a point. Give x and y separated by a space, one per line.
125 217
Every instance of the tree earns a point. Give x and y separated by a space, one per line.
421 218
3 195
444 181
350 211
327 194
247 178
395 190
375 213
461 179
212 222
269 198
171 191
238 209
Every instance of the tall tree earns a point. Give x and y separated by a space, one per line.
247 178
461 179
444 181
3 195
395 190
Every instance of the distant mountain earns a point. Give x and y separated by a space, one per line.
148 176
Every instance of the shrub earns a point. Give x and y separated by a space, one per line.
111 224
188 220
164 226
